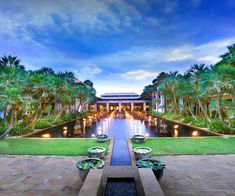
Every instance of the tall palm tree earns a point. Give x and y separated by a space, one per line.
195 73
229 57
169 87
11 62
47 71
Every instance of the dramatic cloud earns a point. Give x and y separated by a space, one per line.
116 43
138 74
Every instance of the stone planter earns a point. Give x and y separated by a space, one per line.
138 138
85 165
156 165
101 138
142 152
96 152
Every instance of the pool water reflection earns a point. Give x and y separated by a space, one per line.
120 128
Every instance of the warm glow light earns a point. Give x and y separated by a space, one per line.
176 126
93 135
195 133
99 130
65 128
46 135
65 132
176 133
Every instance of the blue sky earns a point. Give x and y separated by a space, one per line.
120 45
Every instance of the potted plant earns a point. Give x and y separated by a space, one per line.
85 165
101 137
142 152
96 152
156 165
138 138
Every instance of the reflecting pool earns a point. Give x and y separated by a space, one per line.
121 128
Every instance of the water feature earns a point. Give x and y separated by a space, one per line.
120 187
119 128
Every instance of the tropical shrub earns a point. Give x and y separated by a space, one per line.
188 119
173 116
217 126
67 117
19 129
42 123
201 123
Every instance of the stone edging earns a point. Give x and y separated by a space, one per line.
107 158
132 156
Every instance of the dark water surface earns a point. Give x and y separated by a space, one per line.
120 187
119 128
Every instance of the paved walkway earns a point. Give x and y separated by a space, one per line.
39 175
184 175
210 175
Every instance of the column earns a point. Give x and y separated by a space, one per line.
132 106
181 104
119 106
107 106
144 106
95 107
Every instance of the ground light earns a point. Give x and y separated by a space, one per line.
195 133
65 130
46 135
176 126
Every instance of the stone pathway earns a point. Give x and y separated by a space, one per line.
39 175
210 175
184 175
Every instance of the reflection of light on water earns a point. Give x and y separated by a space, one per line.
46 135
195 133
146 135
99 130
65 132
176 133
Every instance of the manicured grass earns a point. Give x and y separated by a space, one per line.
65 147
175 146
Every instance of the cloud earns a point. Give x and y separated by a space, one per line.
179 54
90 70
138 74
209 59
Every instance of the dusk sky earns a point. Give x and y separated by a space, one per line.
119 45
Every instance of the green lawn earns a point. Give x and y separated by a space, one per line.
66 147
175 146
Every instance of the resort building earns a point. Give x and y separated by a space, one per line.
121 101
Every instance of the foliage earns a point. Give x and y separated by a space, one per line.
150 163
67 117
92 163
173 116
19 129
32 96
42 123
201 92
218 126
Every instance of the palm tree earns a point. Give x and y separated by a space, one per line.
169 87
229 57
11 62
195 73
47 71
